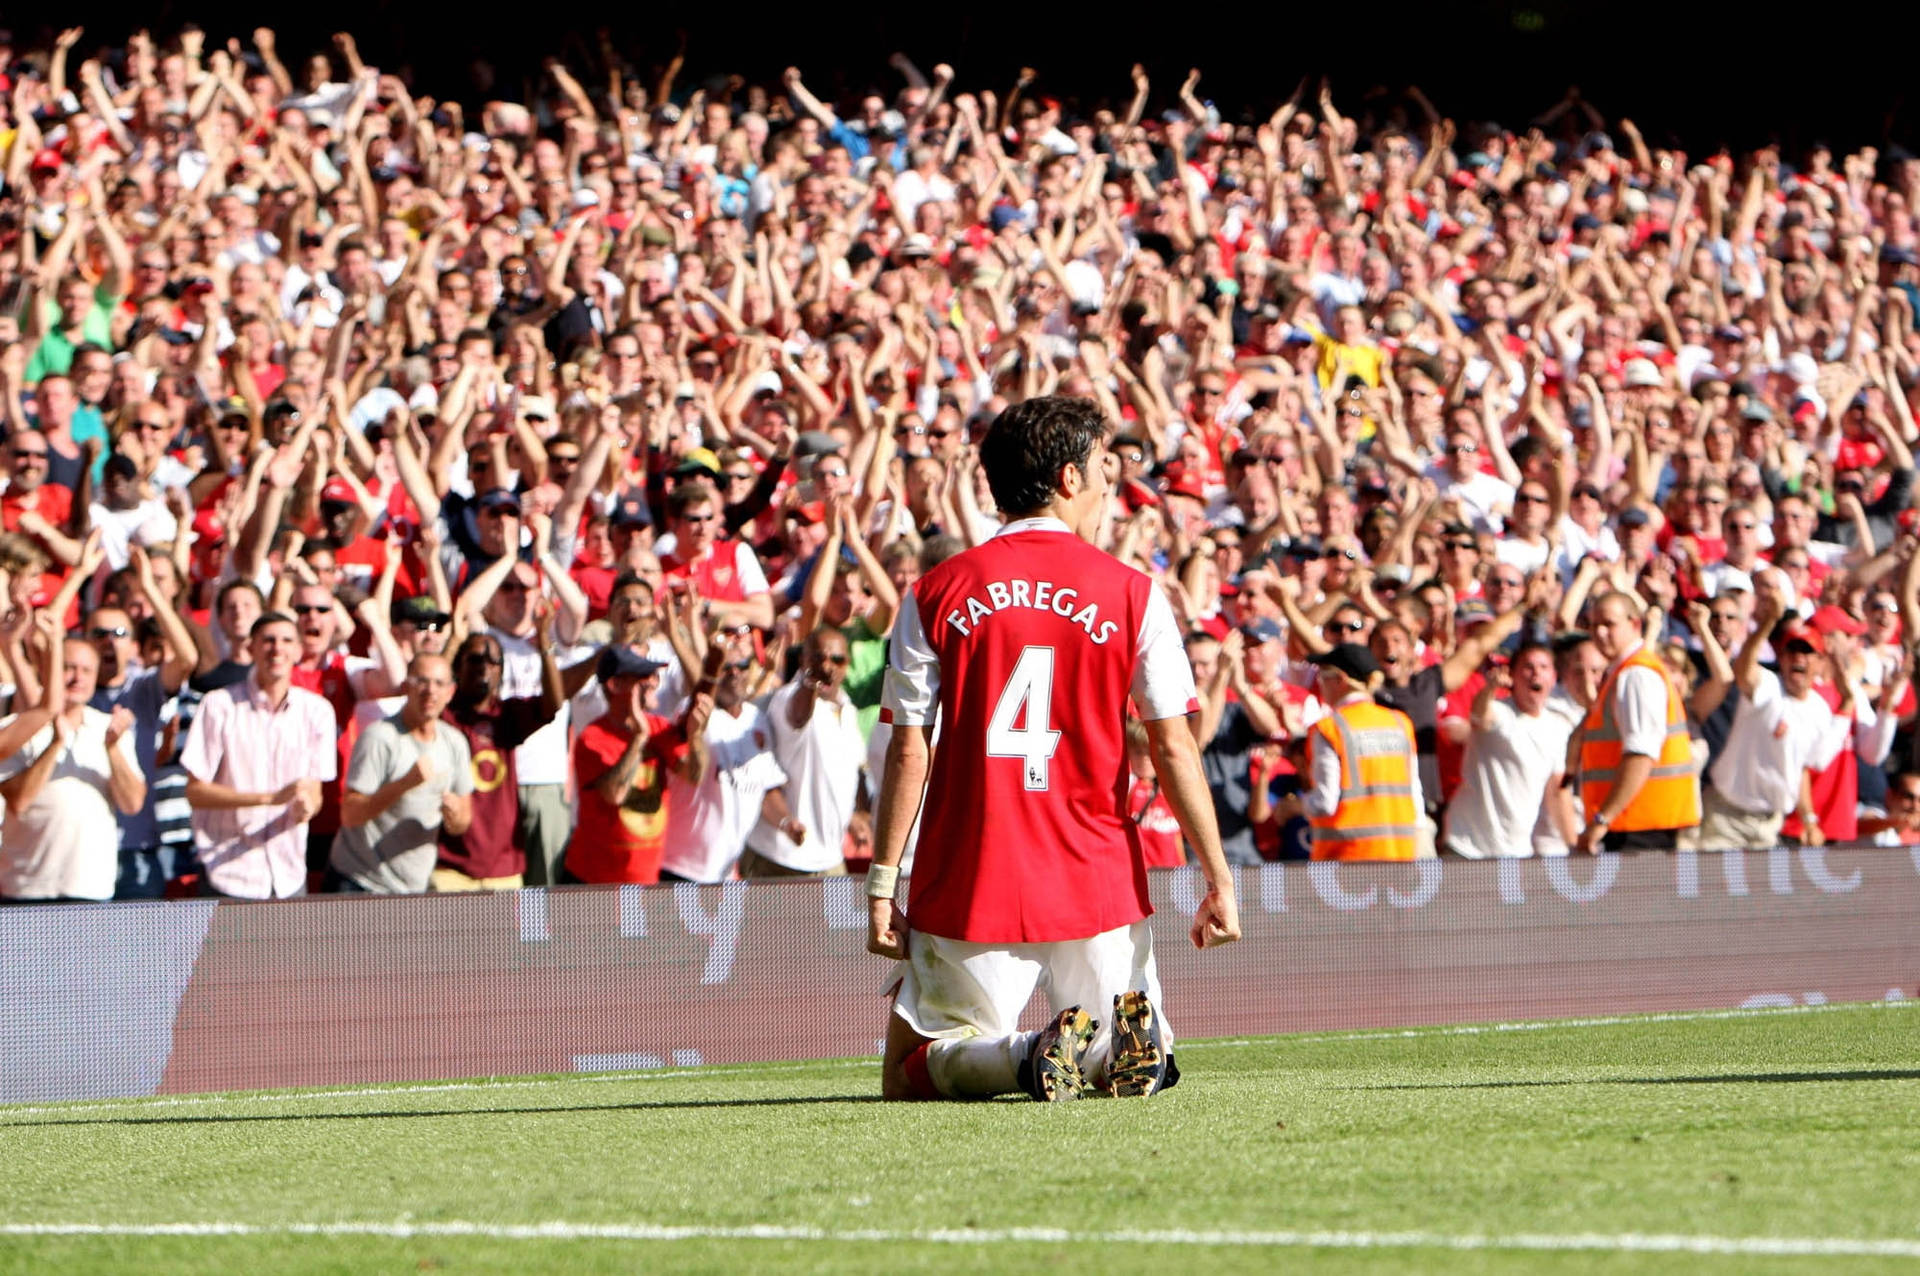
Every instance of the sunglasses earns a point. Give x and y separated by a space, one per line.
1344 627
114 631
514 587
482 658
830 660
698 518
1348 554
742 477
831 473
1463 544
427 626
28 454
909 429
312 611
1528 498
559 458
1463 449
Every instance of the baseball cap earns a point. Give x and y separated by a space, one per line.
420 610
1633 516
1641 373
1262 629
338 491
696 461
1756 411
497 498
631 511
1472 612
1832 618
1804 636
814 443
622 661
809 511
47 160
1351 659
1182 481
916 245
536 405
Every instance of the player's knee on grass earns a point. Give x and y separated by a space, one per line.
901 1077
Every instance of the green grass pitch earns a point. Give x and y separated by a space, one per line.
1734 1142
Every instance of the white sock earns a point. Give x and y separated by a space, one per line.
978 1066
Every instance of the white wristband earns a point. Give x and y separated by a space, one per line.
881 879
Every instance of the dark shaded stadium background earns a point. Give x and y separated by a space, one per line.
1709 74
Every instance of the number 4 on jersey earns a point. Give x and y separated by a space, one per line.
1028 698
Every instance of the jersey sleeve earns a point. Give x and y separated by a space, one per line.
753 580
911 690
1162 676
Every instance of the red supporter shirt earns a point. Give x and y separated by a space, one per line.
729 573
1028 646
1159 830
623 843
491 845
596 583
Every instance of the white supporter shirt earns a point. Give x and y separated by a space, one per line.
1481 496
822 764
543 758
707 825
1546 834
64 843
1639 707
1576 544
1528 556
1504 781
1773 740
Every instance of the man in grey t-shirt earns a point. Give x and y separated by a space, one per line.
410 775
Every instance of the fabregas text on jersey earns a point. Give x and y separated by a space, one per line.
1041 594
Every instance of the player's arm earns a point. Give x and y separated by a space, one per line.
909 755
1176 762
1163 688
908 700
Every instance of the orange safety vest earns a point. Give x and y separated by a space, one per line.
1376 818
1670 799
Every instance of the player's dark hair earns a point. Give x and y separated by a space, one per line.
1029 442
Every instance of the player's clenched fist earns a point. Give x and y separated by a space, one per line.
1216 921
886 928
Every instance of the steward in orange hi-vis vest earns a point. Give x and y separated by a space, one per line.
1376 818
1670 799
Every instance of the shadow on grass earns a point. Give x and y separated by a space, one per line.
418 1113
1725 1078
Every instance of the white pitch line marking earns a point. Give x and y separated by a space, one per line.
1626 1242
1539 1025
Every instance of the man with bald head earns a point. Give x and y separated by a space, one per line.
411 776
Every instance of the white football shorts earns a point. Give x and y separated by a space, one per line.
952 989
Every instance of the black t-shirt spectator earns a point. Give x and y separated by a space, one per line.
1227 762
1420 701
1882 515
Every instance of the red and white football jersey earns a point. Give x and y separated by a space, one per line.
1028 647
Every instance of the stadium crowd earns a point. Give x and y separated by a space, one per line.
403 497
